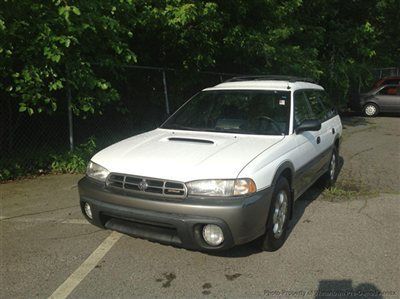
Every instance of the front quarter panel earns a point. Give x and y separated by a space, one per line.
264 167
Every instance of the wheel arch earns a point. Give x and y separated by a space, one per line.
337 142
371 101
286 170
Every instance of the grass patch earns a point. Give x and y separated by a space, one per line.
337 194
347 190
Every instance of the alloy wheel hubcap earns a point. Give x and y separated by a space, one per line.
370 110
280 211
333 167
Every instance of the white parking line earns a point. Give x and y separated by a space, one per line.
75 221
84 269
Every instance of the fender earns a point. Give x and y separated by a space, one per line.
338 141
286 165
281 168
370 100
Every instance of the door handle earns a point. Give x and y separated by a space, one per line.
318 140
333 131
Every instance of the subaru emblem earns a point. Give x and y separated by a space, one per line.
143 185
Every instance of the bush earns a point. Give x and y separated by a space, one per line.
74 161
47 161
24 165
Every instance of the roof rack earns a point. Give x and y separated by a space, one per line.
271 77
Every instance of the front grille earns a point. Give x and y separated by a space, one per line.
142 185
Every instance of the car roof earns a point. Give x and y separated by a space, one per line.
266 84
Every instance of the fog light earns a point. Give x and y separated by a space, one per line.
213 234
88 210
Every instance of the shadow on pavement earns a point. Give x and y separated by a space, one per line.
300 206
355 119
329 289
307 198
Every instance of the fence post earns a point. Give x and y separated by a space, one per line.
70 124
165 92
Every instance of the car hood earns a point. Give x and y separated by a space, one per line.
184 155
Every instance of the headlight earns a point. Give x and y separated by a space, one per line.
221 187
97 172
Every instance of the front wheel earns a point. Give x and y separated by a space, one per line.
278 217
370 110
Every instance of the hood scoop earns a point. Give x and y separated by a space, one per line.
186 139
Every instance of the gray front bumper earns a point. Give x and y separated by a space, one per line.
178 221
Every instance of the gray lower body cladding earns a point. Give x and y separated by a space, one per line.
177 222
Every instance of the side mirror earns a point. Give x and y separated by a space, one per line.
309 125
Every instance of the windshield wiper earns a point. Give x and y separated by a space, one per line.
218 130
179 127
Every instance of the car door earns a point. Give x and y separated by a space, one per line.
307 143
388 98
329 126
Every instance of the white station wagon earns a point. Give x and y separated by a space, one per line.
223 170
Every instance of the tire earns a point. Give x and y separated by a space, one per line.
277 223
370 110
328 180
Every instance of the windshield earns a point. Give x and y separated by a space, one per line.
259 112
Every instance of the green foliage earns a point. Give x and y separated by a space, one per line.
336 42
38 163
76 161
47 47
46 161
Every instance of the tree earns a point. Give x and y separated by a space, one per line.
48 47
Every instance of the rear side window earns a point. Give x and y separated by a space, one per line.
321 104
302 109
330 109
317 108
390 90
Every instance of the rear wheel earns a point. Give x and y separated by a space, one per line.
370 110
278 217
328 180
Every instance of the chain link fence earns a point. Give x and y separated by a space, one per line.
30 144
379 73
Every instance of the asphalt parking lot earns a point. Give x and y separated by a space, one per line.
341 243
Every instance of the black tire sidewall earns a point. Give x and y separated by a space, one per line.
269 242
331 182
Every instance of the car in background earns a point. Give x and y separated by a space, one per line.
385 98
386 81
